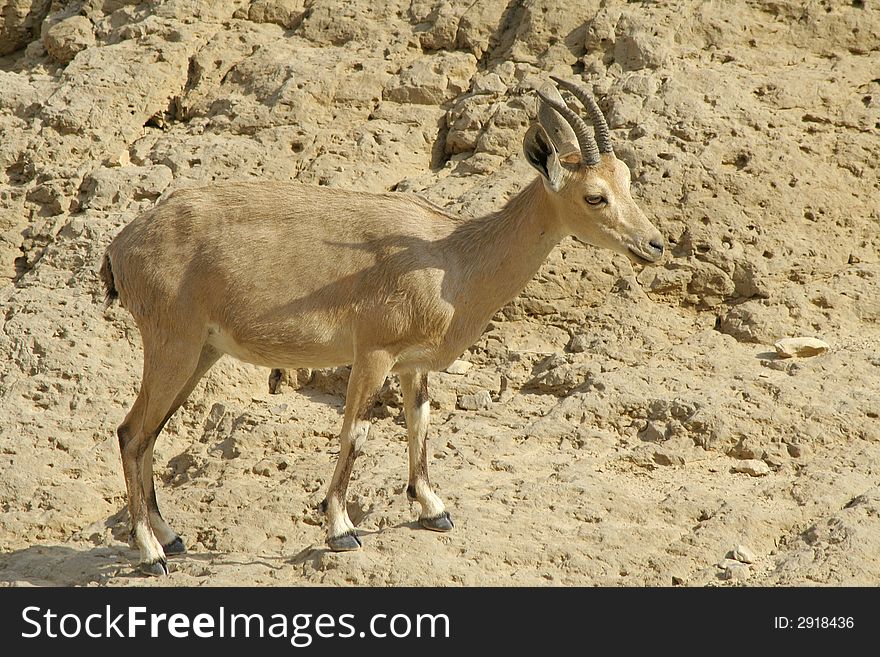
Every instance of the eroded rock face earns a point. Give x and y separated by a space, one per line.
647 407
20 23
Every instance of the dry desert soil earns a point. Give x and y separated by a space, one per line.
616 425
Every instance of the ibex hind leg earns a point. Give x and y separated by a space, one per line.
168 367
171 542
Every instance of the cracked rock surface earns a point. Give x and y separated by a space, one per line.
616 426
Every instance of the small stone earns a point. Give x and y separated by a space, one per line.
678 581
263 468
489 84
776 455
459 367
743 554
737 571
665 457
803 347
68 37
798 451
578 344
753 467
215 416
286 13
118 159
654 432
476 402
73 228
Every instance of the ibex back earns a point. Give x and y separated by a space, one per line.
290 275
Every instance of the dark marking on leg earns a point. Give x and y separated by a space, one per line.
422 392
344 476
411 493
122 436
338 494
421 472
151 499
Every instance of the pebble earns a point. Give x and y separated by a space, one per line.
737 571
263 467
798 451
476 402
789 347
279 409
459 367
666 457
753 467
743 554
578 344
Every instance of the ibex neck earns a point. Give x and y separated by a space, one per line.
504 249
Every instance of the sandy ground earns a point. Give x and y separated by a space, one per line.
641 425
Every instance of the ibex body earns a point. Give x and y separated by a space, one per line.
290 275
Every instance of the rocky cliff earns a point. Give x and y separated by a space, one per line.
616 426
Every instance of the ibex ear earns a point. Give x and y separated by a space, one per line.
542 155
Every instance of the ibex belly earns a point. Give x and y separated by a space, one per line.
285 346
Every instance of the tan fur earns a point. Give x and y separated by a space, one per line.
290 275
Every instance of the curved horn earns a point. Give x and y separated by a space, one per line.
557 128
589 151
600 126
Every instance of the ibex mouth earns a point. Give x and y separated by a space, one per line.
645 257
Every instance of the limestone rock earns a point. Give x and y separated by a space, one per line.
637 46
752 467
737 572
286 13
475 402
743 554
802 347
20 22
68 37
431 81
109 188
459 367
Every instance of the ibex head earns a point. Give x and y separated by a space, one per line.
589 185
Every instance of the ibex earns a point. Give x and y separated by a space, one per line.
287 275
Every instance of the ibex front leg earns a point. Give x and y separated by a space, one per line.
415 398
368 372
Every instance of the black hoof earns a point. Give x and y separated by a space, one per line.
175 547
442 523
156 568
345 543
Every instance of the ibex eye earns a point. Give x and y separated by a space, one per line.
595 200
